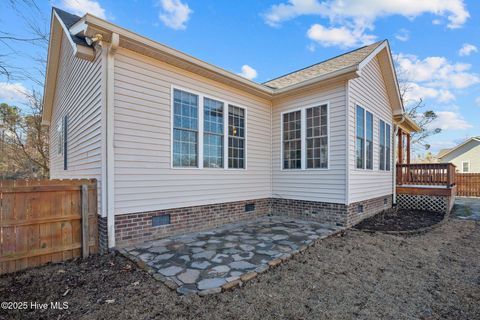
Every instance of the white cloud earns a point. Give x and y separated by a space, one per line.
448 120
12 92
467 49
174 14
436 72
414 92
248 72
366 12
477 101
403 35
80 7
343 37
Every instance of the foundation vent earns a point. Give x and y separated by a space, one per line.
162 220
250 207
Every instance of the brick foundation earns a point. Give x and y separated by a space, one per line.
370 208
137 227
331 213
323 212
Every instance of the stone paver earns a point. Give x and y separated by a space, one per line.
204 262
467 208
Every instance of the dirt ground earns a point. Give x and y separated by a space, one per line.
400 220
358 276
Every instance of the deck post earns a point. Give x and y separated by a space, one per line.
400 146
408 148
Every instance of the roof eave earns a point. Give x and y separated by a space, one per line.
57 28
144 45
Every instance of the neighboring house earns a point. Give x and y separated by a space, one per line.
178 144
465 156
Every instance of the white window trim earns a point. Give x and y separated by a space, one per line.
365 138
200 125
386 123
303 137
468 166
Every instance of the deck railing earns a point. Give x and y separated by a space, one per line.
433 174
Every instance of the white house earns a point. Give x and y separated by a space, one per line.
178 144
465 156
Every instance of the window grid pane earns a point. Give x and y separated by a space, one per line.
185 129
236 137
292 143
387 148
317 137
213 134
369 139
360 140
382 145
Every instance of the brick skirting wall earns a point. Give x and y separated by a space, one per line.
137 227
331 213
370 208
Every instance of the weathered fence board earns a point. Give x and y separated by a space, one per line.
41 221
468 184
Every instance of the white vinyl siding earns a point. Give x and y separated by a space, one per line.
144 178
469 152
78 98
326 185
368 91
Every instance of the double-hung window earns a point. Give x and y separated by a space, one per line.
465 166
317 137
385 147
185 129
292 140
236 137
213 133
207 133
364 139
305 138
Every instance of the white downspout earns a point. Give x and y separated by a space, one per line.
112 49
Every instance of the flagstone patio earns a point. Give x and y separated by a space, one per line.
207 262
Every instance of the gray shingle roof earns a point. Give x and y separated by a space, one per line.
69 20
345 60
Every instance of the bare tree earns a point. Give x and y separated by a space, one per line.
417 110
24 140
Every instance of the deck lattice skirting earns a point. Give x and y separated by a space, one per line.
137 227
425 198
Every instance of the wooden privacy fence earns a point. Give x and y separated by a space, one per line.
45 221
468 184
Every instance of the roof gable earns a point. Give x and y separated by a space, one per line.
345 60
444 152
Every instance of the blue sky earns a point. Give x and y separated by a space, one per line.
436 42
